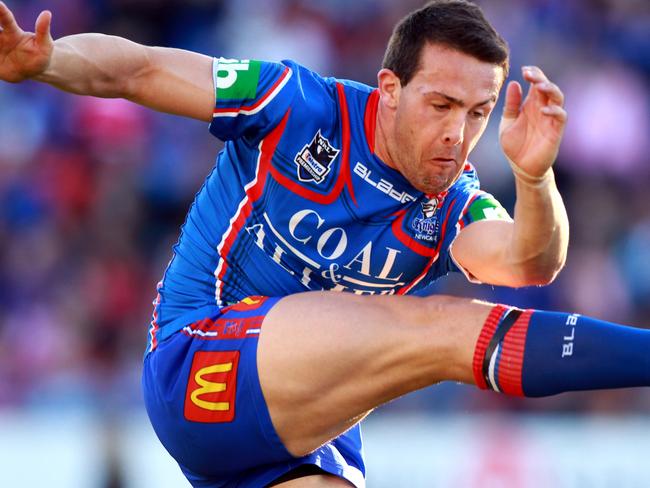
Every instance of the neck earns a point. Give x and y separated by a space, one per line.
381 136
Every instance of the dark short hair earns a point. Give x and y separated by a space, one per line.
457 24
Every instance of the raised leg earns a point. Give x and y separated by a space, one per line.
316 481
325 359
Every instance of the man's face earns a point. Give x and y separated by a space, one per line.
439 116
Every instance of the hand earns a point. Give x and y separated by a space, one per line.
530 133
24 54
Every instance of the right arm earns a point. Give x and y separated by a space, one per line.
167 80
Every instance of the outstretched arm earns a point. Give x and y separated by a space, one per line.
168 80
532 249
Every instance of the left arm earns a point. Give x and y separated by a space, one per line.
168 80
532 249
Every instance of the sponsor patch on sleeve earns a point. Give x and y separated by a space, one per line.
236 79
486 207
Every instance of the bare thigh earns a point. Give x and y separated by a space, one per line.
325 359
315 481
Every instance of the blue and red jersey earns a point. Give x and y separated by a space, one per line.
299 201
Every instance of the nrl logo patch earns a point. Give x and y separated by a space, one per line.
315 159
426 224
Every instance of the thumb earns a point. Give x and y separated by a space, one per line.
42 28
514 95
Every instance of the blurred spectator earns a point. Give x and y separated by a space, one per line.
610 121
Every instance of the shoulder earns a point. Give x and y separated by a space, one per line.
320 100
468 181
472 202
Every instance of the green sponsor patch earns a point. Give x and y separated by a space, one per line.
487 208
237 79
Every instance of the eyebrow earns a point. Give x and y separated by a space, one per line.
457 101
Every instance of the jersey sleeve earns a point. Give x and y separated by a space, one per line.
468 204
463 204
251 97
479 205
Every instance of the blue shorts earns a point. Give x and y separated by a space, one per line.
203 396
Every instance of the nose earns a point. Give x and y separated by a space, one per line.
454 131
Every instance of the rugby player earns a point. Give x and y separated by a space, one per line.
257 372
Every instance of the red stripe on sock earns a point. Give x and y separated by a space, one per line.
483 340
511 360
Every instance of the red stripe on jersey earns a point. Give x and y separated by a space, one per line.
431 252
405 289
468 204
225 328
407 240
305 193
263 99
154 322
411 243
438 196
370 119
465 210
344 177
267 150
345 129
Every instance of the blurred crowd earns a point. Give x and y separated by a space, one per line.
93 192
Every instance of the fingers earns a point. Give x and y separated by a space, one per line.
7 20
552 98
533 74
556 112
552 91
514 95
42 27
8 24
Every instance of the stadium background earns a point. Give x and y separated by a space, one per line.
92 194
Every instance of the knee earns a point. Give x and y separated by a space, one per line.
448 328
438 312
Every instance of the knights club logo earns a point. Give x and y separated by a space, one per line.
426 224
429 208
315 159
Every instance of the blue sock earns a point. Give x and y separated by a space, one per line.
535 353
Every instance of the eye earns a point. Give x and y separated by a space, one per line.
441 108
478 115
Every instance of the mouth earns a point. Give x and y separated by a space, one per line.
444 162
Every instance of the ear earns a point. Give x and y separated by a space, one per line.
389 88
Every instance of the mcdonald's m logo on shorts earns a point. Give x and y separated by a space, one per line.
211 387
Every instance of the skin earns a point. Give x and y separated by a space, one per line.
428 127
24 54
376 348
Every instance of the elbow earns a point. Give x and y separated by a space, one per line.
540 268
539 278
539 274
